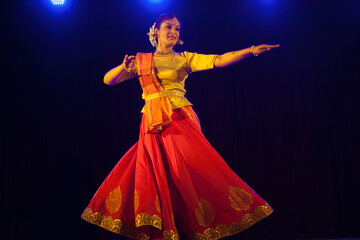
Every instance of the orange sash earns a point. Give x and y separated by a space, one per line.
158 108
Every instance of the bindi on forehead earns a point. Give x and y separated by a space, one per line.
172 22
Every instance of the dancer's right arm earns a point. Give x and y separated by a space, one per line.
122 72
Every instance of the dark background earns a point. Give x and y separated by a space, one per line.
286 121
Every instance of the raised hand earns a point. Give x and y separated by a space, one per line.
129 61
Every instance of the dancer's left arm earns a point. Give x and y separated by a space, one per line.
230 58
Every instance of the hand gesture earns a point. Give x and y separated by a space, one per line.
257 50
129 62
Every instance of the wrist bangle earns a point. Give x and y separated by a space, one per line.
128 69
253 51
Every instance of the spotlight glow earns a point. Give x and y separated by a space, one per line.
155 1
58 2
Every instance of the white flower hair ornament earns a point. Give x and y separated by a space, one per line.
152 36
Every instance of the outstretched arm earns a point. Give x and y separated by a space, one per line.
230 58
120 73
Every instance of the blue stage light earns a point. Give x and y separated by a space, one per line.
58 2
155 1
267 1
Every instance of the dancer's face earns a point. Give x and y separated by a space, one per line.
169 32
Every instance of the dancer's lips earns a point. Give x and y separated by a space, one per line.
172 37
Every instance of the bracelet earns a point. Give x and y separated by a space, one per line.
253 51
128 69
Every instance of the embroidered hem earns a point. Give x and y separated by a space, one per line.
222 230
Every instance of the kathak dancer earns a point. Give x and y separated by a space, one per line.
172 184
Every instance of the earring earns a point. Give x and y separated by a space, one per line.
180 42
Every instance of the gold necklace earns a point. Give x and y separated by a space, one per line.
163 53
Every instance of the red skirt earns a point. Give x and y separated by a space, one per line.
175 184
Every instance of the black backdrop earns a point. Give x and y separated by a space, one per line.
286 121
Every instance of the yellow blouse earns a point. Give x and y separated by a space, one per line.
173 69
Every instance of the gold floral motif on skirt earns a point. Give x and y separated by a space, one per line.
157 204
144 219
136 200
240 199
204 213
170 235
113 202
247 221
113 225
222 230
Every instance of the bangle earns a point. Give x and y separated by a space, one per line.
253 51
128 69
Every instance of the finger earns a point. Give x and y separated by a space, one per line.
263 49
273 46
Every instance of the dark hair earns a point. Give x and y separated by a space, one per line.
162 18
